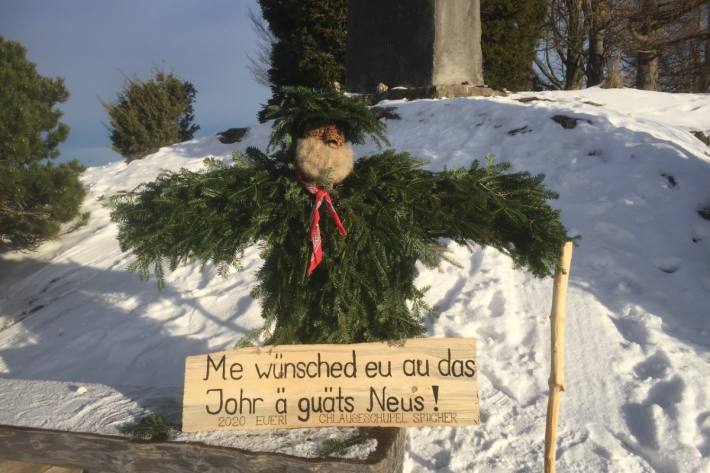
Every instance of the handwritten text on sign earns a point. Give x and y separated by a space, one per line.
422 382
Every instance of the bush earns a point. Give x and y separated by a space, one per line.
309 42
150 114
152 428
36 197
511 30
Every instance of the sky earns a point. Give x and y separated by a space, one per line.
95 44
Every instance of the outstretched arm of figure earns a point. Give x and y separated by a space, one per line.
491 206
487 205
208 216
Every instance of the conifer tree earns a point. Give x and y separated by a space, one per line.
150 114
36 197
309 47
394 210
511 30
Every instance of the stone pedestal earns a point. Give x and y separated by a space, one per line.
413 43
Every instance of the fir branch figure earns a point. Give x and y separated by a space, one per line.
387 213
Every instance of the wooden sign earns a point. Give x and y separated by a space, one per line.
423 382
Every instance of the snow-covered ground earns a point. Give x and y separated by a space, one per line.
86 346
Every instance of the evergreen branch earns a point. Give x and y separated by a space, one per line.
299 108
393 209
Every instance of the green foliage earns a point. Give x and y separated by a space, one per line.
334 447
511 30
310 41
80 222
35 200
30 129
395 213
35 196
300 108
150 114
152 428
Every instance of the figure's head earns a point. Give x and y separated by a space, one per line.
323 155
315 127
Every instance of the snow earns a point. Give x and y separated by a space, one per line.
87 346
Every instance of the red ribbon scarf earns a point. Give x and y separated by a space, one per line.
319 195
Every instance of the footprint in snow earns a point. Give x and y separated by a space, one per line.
698 234
598 154
670 181
654 367
496 306
646 421
667 265
632 330
667 394
703 422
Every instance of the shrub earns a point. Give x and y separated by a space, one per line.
309 38
150 114
36 197
152 428
511 30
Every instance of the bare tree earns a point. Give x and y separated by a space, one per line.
655 27
684 63
657 43
706 63
561 59
578 43
260 62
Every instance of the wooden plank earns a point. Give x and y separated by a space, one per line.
12 466
557 350
110 454
421 382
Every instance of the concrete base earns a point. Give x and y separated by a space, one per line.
435 92
110 454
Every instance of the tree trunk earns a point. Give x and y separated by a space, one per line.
595 63
705 80
646 70
596 14
646 54
615 76
573 70
574 73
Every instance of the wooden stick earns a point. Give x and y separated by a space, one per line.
557 361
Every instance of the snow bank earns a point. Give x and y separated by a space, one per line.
86 346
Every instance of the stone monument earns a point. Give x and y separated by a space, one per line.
415 48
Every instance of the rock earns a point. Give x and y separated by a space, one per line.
518 131
533 99
388 113
233 135
569 122
702 137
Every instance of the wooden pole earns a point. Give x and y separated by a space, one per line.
557 361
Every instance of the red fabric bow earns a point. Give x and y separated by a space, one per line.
319 195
